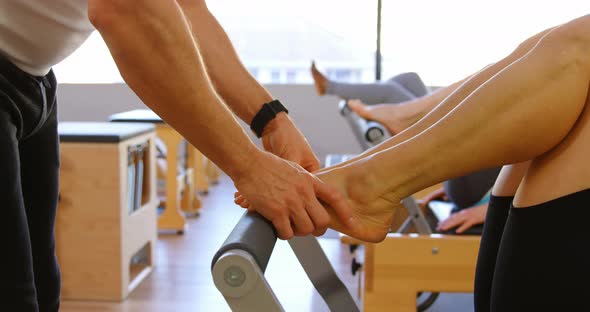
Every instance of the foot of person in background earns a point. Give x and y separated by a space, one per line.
392 117
320 81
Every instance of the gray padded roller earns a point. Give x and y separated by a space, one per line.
238 268
253 234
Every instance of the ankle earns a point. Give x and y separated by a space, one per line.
361 182
380 182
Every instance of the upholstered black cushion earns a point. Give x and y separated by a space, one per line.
101 132
137 115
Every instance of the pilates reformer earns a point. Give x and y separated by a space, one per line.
238 266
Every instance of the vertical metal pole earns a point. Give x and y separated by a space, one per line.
378 51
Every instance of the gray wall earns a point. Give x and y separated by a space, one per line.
317 117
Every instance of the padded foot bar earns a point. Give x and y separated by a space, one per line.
238 268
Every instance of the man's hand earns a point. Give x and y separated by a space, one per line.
465 219
282 138
288 196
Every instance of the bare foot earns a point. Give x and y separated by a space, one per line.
391 116
320 81
373 212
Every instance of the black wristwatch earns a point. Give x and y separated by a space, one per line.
265 115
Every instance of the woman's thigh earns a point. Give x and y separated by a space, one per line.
542 258
563 170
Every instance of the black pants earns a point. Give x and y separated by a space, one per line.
29 170
493 228
535 258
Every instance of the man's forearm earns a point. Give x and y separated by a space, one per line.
231 79
243 94
159 60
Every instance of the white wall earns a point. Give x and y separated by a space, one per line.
317 117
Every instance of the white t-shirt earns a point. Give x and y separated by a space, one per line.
37 34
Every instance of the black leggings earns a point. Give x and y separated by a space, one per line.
542 261
29 169
493 228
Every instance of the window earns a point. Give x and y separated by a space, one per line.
291 76
270 36
444 41
275 76
286 35
253 71
343 74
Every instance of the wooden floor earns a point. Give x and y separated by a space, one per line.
181 281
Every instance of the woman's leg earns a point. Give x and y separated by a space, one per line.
542 261
412 82
319 79
502 195
371 93
440 102
503 121
396 118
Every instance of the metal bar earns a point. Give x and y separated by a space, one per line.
322 275
417 216
378 57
